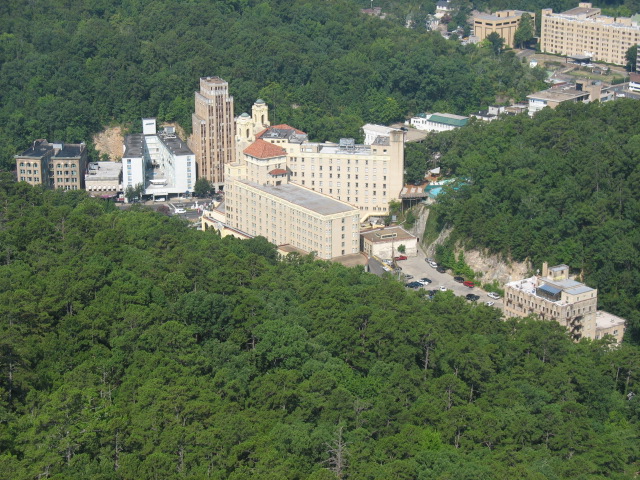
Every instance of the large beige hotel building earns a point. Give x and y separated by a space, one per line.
583 31
310 195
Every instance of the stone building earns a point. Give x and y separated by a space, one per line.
384 242
555 296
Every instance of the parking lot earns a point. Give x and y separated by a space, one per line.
418 267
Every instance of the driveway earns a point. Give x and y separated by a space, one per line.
418 267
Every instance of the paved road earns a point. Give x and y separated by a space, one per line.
418 267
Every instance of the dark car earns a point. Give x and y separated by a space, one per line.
469 284
432 292
472 297
458 279
414 285
441 270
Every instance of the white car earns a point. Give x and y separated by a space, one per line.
180 210
433 264
489 304
443 288
493 295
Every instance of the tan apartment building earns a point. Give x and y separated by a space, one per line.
260 200
584 31
504 23
55 165
213 140
555 296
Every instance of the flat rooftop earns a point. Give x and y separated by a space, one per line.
558 95
41 147
175 144
104 171
386 235
304 198
134 145
607 320
492 16
37 150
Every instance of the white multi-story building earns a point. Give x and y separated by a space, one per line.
161 162
438 122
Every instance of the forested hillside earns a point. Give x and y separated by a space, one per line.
561 187
69 68
134 347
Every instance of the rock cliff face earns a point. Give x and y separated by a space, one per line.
494 268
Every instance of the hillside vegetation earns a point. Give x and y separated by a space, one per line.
134 347
69 68
561 187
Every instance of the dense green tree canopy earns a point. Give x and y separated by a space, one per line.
561 187
69 68
132 346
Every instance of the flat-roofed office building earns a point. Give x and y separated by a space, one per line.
584 31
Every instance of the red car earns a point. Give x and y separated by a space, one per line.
468 284
400 257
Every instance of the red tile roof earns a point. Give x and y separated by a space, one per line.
262 149
278 171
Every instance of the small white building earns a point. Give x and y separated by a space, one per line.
160 161
384 242
372 132
438 122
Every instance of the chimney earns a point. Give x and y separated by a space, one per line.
545 269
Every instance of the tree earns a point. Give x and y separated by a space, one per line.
134 193
402 248
202 188
496 42
632 58
524 32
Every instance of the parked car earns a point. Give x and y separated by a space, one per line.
493 295
414 285
443 288
180 210
432 263
490 304
407 276
458 279
472 297
469 284
441 270
425 281
400 257
432 292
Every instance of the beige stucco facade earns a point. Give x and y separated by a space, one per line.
584 31
213 140
260 200
504 23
